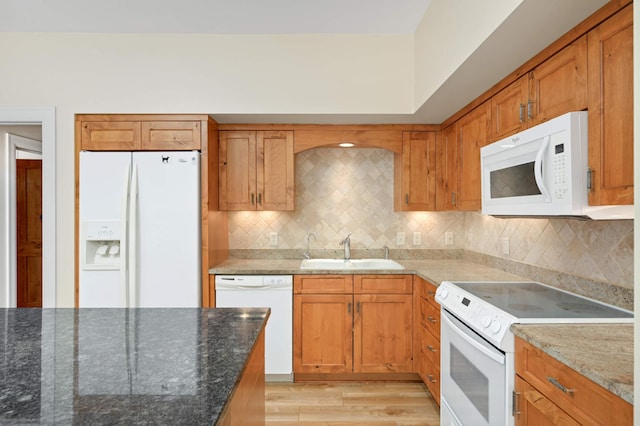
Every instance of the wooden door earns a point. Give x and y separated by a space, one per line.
559 84
474 130
29 233
237 179
110 135
533 408
509 109
322 333
417 172
611 110
171 135
447 169
383 333
275 170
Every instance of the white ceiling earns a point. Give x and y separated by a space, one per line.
213 16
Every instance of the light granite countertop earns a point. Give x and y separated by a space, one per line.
601 352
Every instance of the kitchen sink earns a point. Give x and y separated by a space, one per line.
352 264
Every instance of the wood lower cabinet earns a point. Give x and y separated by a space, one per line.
549 392
256 170
361 324
611 110
415 172
427 337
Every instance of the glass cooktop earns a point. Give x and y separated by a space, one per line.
538 301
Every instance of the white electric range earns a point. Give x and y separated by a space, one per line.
477 344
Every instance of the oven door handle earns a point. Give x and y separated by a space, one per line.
497 358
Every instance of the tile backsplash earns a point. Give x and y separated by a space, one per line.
341 191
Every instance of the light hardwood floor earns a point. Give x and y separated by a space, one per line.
379 404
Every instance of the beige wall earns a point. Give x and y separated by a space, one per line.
340 191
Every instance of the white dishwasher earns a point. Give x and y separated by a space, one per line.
265 291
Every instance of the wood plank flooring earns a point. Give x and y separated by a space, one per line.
378 404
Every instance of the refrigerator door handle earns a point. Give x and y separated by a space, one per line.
133 237
124 240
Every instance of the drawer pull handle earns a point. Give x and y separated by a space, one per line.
432 319
431 293
431 348
515 410
431 379
559 385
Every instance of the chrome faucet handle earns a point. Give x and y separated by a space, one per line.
386 252
346 240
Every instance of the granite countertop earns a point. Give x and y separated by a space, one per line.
433 270
122 366
601 352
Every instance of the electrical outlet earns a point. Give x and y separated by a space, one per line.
448 238
400 241
505 246
273 239
417 239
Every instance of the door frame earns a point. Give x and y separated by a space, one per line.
46 118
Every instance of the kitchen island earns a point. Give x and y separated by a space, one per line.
128 366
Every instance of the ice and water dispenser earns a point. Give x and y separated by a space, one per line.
101 245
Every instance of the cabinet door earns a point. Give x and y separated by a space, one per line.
171 135
611 110
237 178
275 170
447 158
473 133
322 333
509 109
110 136
559 85
533 408
417 172
383 333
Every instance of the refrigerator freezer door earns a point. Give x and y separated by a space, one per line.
104 179
167 234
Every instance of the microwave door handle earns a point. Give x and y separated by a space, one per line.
537 169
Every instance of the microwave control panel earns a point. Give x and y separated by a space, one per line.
560 180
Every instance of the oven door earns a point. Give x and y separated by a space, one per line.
473 376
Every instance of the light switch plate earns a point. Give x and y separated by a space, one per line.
417 238
448 238
273 239
505 246
400 239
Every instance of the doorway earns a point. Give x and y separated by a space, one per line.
44 117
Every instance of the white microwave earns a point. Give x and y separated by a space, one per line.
542 171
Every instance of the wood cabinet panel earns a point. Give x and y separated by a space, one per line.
582 399
237 179
322 333
415 172
509 109
559 85
430 316
611 110
430 375
323 284
447 163
474 132
275 170
533 408
171 135
382 332
383 284
110 135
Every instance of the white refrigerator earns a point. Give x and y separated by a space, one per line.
140 228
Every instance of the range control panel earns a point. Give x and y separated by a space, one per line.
485 319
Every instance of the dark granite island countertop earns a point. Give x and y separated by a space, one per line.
122 366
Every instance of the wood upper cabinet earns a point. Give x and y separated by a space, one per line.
611 110
110 135
256 170
342 332
415 172
447 168
474 131
556 86
549 392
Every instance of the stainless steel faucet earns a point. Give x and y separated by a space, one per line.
347 246
307 254
386 252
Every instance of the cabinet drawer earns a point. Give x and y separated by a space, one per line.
430 316
429 345
171 135
323 284
426 289
430 375
110 135
402 284
582 399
